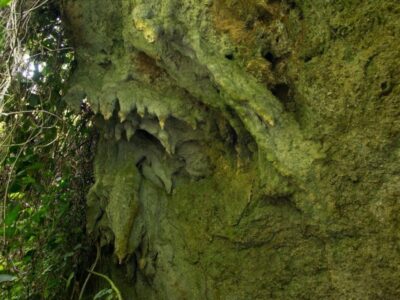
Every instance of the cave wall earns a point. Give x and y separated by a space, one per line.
247 150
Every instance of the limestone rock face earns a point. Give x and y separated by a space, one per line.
249 149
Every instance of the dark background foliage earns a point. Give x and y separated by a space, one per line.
45 171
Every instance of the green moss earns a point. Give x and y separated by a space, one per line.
263 159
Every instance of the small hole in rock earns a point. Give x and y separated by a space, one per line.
229 56
269 56
106 64
282 92
129 77
292 4
386 88
232 137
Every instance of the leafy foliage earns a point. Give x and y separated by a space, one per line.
45 168
4 3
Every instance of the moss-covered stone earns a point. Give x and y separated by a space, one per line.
248 150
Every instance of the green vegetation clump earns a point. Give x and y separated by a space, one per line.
45 159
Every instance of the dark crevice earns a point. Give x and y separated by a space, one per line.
278 201
229 56
292 4
143 135
232 137
268 56
140 162
386 88
240 137
282 92
282 201
116 109
130 77
307 58
106 64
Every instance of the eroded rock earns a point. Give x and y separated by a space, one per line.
248 150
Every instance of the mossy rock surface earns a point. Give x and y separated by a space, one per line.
248 150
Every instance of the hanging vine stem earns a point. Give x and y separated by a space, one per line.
12 56
90 271
112 284
4 208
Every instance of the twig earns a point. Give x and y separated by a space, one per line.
6 114
5 196
36 6
90 271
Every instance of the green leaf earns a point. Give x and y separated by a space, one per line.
69 254
16 196
12 215
103 293
10 231
69 280
6 277
33 99
35 166
27 180
4 3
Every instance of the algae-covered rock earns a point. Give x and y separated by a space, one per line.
247 150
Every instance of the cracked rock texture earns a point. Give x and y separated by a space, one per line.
249 149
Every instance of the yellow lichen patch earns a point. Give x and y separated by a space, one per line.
232 21
261 69
148 31
247 23
242 19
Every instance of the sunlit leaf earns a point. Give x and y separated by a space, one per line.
7 277
16 196
4 3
